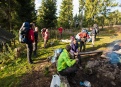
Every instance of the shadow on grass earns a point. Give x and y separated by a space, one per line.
97 47
98 38
9 81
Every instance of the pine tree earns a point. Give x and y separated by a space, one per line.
66 17
47 14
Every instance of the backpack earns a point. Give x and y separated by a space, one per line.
23 32
56 55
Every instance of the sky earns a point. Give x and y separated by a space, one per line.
75 4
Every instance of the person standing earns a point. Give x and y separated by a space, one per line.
46 37
93 35
29 44
43 32
36 41
83 38
95 26
60 32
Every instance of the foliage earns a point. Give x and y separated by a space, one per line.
95 11
47 14
65 18
14 12
7 56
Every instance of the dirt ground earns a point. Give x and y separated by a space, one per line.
94 72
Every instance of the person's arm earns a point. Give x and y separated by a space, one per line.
69 61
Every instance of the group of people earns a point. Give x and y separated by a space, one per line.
69 60
83 36
32 40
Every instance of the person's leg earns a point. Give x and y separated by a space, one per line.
81 44
29 52
61 35
45 42
93 40
35 48
69 71
84 46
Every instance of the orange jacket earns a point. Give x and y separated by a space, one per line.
83 35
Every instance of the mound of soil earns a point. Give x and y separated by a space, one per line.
100 73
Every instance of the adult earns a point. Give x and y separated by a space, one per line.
66 66
46 37
74 51
95 27
93 36
43 32
30 42
83 38
60 32
36 41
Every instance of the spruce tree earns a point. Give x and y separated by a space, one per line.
47 14
66 17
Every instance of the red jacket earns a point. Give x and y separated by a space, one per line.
31 35
60 30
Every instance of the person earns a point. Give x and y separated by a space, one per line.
30 42
93 36
83 38
95 26
66 66
43 32
46 37
60 32
74 51
36 41
72 39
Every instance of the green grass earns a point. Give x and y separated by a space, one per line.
11 74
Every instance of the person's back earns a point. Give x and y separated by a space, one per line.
30 42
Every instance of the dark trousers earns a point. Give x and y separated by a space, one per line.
60 35
35 48
69 71
79 57
29 52
82 45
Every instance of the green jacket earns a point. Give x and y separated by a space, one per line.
64 61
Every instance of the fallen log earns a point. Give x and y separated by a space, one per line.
91 52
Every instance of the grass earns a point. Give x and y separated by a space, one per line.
11 74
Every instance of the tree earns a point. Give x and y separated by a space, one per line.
26 10
47 14
106 5
81 11
14 12
66 17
